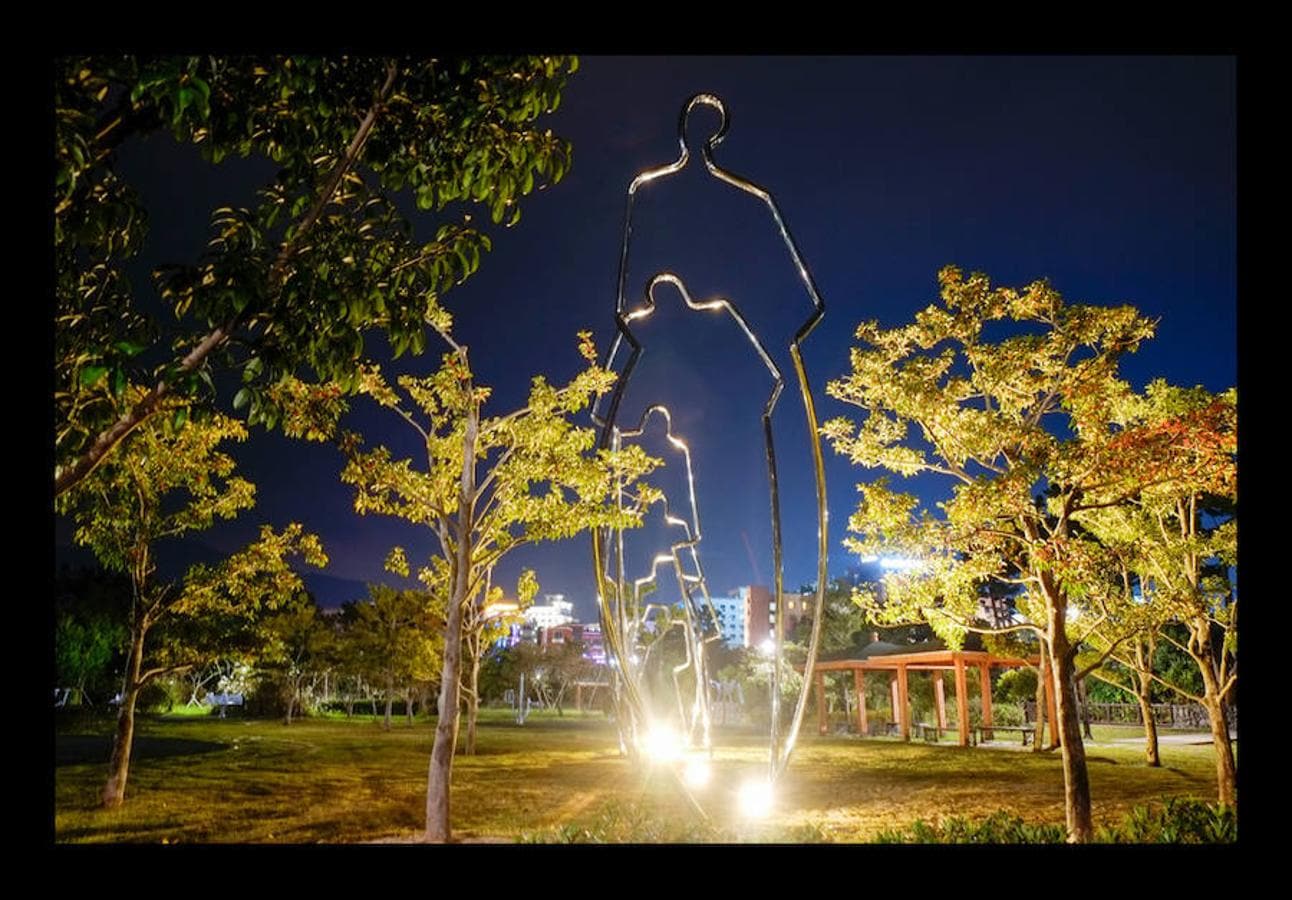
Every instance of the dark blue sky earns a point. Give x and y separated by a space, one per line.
1113 177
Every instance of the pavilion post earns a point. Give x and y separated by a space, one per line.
962 701
984 682
859 681
892 699
823 725
940 698
903 701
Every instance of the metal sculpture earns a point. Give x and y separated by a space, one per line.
619 605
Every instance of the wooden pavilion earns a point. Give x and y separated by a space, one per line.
898 661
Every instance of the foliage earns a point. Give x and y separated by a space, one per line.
997 828
91 611
984 411
288 284
1028 430
845 624
1180 820
173 479
487 486
297 643
400 633
1016 686
1176 541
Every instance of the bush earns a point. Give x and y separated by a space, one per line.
1016 685
998 828
161 696
1180 820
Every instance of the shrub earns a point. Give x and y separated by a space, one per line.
998 828
1180 820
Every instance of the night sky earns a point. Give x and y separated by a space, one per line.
1113 177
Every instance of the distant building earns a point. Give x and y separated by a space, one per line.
731 619
554 610
589 635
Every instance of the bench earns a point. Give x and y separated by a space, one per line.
985 732
930 733
224 701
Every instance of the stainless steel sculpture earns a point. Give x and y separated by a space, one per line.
621 610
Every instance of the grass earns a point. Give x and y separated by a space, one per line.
336 780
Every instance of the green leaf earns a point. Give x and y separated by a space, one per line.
118 382
92 375
129 348
241 398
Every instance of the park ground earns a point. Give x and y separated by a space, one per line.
203 779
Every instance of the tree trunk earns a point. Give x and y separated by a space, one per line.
1084 700
1076 780
1144 686
408 705
440 772
1200 648
390 701
1226 772
114 792
1151 755
441 767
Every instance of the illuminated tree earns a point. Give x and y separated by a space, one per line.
288 284
1178 540
402 632
487 486
297 644
171 480
483 623
990 417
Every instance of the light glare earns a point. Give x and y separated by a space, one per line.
756 799
697 773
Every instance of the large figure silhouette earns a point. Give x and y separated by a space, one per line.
615 602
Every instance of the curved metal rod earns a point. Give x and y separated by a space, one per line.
779 757
688 582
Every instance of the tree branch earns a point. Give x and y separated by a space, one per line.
79 470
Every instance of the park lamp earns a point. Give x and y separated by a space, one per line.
662 744
756 798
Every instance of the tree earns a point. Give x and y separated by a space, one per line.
488 486
170 480
288 284
297 643
91 607
402 630
485 620
990 416
1180 540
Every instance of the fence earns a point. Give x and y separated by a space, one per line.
1168 715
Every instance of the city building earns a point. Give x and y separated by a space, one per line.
554 610
731 619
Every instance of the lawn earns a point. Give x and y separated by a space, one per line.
337 780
